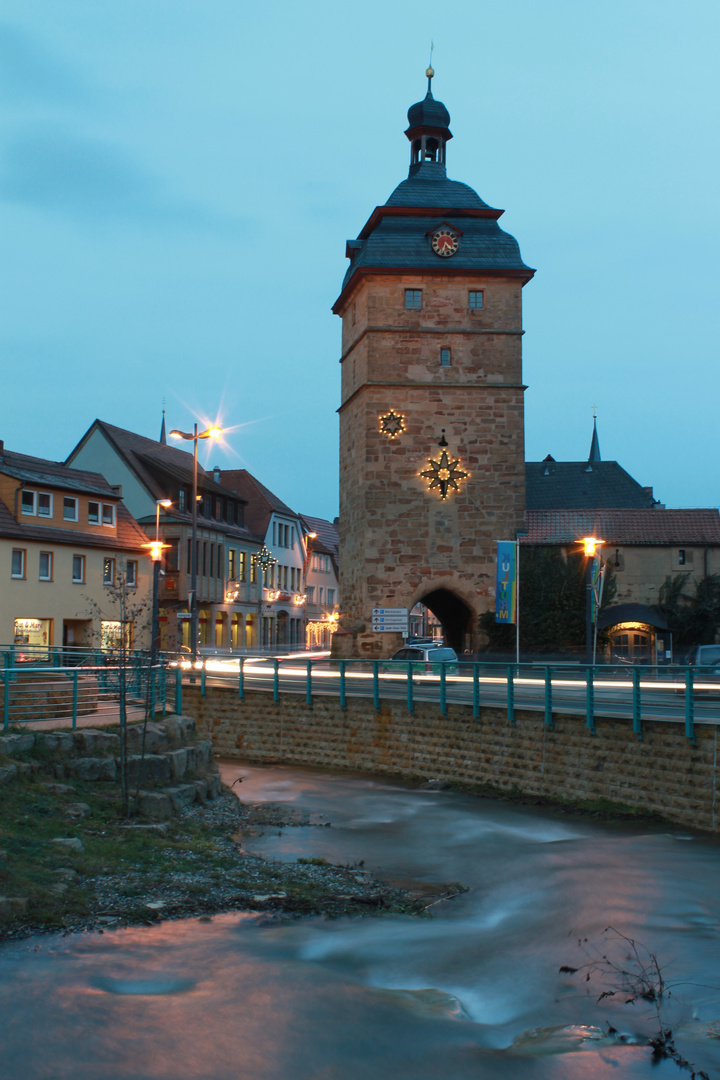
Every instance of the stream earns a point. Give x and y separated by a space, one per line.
472 992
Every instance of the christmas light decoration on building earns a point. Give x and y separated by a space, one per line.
263 559
444 473
392 424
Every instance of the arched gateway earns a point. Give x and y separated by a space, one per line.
431 422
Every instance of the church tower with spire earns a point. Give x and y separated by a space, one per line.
431 420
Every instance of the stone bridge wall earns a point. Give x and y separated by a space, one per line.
663 773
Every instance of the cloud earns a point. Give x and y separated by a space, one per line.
30 74
52 168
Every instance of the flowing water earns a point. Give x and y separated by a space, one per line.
473 992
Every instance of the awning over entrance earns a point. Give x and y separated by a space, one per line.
636 613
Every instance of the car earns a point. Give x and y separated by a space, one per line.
427 657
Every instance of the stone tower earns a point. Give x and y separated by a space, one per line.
432 463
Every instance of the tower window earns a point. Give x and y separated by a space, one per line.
444 358
413 298
475 300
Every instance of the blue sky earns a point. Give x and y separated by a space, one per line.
178 179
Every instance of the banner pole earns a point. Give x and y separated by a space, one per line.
517 599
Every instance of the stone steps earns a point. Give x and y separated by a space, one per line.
176 769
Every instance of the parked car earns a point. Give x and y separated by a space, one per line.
428 657
706 657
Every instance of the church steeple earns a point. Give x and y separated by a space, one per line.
428 131
163 436
594 454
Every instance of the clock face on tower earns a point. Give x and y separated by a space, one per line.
444 242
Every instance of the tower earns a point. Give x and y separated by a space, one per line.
431 420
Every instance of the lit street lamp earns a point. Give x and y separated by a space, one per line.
590 548
156 550
209 433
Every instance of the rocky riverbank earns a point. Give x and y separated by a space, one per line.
70 862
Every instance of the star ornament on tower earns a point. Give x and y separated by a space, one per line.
392 424
444 473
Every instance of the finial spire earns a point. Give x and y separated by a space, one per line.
163 436
430 71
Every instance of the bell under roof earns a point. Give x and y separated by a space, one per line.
396 238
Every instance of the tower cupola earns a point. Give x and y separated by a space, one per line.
428 130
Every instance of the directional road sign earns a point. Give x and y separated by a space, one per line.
390 620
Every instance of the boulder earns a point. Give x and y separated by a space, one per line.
201 788
58 789
174 729
156 738
69 843
11 906
155 805
214 785
16 744
187 726
155 767
7 773
93 768
78 810
55 742
90 742
178 763
203 749
182 795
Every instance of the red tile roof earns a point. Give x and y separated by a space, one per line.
652 526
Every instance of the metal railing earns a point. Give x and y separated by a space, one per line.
688 695
45 690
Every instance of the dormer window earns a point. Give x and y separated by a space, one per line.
27 502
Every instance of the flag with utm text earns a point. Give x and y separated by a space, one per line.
506 583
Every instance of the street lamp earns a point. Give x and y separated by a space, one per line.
209 433
156 549
590 549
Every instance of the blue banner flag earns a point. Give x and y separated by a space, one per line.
506 584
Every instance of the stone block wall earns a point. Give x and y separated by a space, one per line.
663 773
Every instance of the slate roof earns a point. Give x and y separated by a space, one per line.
428 185
576 485
142 454
261 502
53 474
623 527
150 461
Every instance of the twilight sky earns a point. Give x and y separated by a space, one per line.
178 179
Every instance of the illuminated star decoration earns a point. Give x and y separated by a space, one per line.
263 558
392 424
444 474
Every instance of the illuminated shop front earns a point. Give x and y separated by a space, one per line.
35 632
111 635
637 634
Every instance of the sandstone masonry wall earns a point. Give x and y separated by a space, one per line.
663 773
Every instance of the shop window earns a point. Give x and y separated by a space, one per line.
18 563
70 508
46 566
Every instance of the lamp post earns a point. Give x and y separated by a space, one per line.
209 433
590 547
156 548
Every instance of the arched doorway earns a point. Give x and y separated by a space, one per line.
454 615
